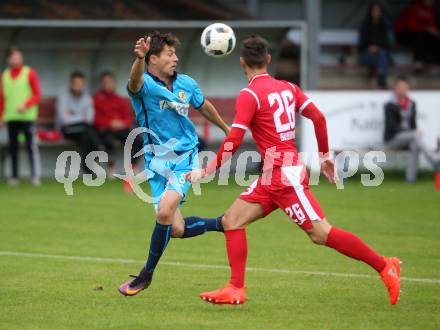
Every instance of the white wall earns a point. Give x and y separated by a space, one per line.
355 120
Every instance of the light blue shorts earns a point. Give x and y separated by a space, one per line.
168 173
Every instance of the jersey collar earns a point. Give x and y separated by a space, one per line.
264 74
160 81
16 71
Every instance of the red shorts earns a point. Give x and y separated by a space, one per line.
286 188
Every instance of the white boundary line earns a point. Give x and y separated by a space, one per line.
434 281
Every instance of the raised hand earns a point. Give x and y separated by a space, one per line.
142 47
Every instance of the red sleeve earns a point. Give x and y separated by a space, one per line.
246 105
320 125
36 89
307 109
301 100
420 23
101 121
229 146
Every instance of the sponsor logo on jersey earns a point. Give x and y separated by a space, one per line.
181 108
286 136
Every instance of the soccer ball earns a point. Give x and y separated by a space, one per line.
218 40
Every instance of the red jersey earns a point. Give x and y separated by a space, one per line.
417 17
267 107
110 106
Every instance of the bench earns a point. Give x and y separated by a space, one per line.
339 54
47 115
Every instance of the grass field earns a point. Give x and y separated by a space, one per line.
105 233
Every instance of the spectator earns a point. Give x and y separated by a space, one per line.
113 118
75 116
417 28
375 42
401 129
19 96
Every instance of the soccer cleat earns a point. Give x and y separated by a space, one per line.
137 284
390 276
230 295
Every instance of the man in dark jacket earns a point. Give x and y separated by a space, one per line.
401 129
374 43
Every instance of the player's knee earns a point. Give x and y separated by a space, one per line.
229 223
318 237
177 230
164 216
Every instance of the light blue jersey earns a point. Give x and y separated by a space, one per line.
171 146
167 111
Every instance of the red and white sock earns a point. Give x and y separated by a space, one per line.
236 247
353 247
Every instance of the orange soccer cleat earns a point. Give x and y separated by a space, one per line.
391 278
230 295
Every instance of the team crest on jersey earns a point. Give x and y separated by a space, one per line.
182 96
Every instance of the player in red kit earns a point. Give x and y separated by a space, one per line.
267 108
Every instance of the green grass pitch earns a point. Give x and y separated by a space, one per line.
43 285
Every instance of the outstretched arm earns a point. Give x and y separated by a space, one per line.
138 68
229 146
210 113
245 107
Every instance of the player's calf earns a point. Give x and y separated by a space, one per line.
194 226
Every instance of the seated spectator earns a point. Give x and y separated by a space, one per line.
75 115
417 28
401 129
375 42
113 118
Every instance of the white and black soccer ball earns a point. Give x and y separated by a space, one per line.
218 40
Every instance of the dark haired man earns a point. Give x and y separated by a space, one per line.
75 115
267 107
161 99
19 96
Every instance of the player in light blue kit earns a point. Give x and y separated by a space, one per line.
161 98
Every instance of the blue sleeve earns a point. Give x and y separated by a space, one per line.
197 98
142 92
